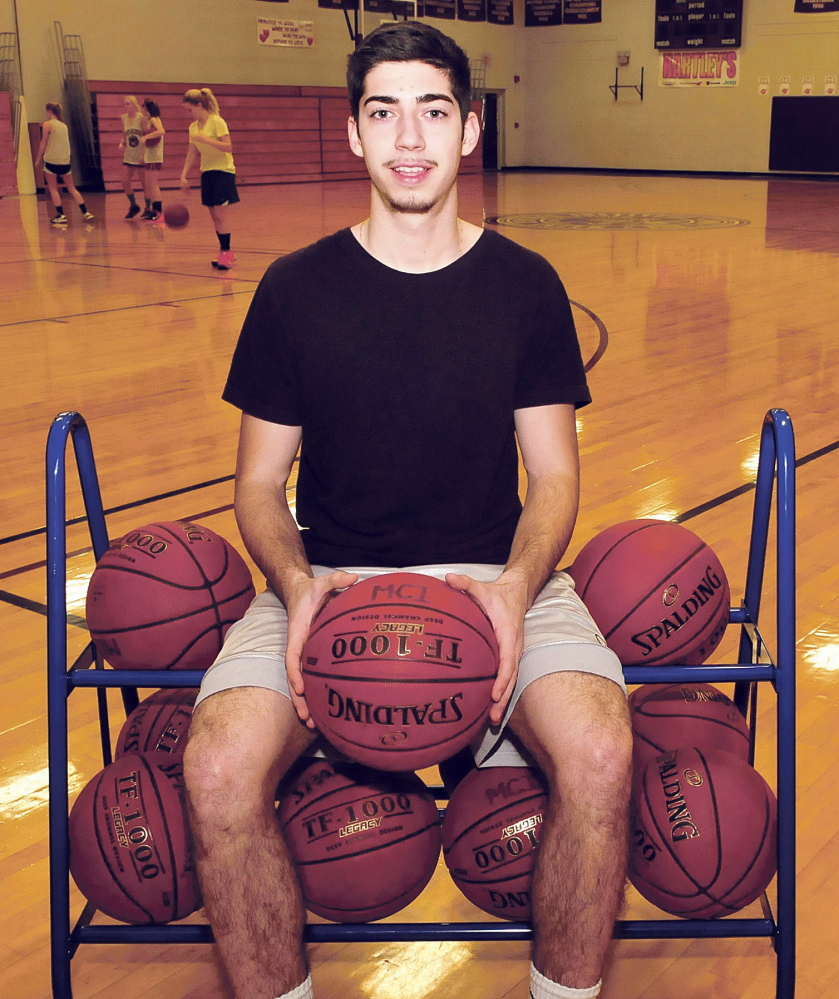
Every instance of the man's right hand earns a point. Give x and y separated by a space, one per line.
303 600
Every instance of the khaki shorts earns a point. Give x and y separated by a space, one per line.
559 635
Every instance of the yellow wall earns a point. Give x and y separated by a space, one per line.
567 116
572 119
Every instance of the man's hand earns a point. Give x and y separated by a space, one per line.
303 601
505 603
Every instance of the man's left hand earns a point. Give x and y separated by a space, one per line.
505 603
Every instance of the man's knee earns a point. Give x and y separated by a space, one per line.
240 744
577 727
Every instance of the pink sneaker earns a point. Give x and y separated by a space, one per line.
224 261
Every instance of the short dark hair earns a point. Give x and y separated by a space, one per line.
410 41
152 107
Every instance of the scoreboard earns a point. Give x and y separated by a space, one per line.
698 24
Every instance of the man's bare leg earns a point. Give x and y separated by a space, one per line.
241 743
577 727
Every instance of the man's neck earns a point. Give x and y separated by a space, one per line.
415 243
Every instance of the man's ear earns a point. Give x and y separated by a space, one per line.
471 133
352 134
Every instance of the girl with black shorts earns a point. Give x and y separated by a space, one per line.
152 143
54 152
209 139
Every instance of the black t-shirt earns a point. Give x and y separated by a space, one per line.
405 386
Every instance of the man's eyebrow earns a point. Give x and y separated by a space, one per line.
421 99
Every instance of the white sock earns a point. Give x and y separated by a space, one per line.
544 988
303 991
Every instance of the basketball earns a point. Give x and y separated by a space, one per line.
130 851
155 141
176 216
399 670
159 724
668 716
164 595
365 843
657 592
491 831
703 839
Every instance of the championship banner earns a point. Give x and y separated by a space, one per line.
582 11
395 8
542 13
292 34
338 4
816 6
500 11
471 10
444 9
700 69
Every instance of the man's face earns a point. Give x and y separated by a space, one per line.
410 135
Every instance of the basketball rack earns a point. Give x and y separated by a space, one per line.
754 666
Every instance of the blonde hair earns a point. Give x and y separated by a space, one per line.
204 97
56 110
135 102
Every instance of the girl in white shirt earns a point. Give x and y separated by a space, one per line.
54 153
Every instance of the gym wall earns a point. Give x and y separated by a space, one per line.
566 114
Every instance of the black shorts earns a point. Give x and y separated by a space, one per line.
218 187
59 169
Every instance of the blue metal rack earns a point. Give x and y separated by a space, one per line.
776 476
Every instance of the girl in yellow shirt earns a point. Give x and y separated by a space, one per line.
209 139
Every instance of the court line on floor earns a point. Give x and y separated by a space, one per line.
40 608
603 334
748 487
212 275
132 505
125 308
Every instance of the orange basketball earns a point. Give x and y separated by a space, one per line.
399 670
657 592
164 595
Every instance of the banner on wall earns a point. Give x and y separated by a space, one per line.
816 6
582 11
444 9
471 10
291 34
700 69
500 11
397 9
542 13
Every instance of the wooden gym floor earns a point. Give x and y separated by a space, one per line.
697 327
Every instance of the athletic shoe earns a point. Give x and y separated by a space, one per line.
133 211
88 216
147 215
59 220
153 216
224 261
